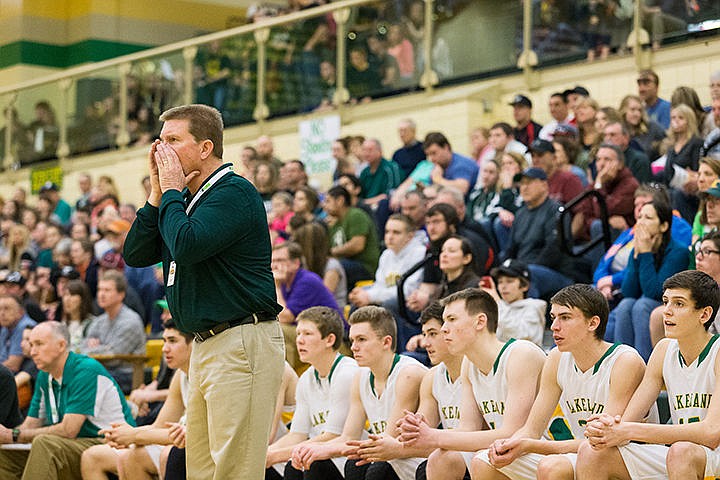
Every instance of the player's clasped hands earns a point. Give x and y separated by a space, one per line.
176 433
367 451
119 435
414 430
305 454
503 452
604 431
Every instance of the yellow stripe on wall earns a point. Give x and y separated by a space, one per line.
200 15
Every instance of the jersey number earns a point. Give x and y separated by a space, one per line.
689 420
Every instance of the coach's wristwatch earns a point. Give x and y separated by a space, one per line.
15 434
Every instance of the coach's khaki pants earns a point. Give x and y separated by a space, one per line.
50 458
234 381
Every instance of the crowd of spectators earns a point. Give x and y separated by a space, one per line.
460 216
399 231
426 218
152 88
63 262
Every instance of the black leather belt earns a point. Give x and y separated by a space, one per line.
221 327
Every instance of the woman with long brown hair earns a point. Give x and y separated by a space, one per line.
456 264
315 244
305 202
655 257
689 97
77 311
266 178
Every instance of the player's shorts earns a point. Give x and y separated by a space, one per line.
712 462
525 467
154 452
649 462
468 456
405 467
645 461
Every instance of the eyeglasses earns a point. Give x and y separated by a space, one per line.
705 252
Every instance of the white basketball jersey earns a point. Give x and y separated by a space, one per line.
378 409
490 390
690 387
586 393
448 396
323 403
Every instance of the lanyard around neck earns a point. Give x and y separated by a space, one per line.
54 416
218 175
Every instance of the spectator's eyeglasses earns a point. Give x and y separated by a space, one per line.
705 252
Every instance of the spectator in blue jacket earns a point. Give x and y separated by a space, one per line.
654 258
610 271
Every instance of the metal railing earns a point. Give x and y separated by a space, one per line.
310 60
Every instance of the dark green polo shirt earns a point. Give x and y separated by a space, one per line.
221 252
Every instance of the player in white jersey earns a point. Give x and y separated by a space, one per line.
499 383
386 386
584 375
322 401
687 364
439 395
441 389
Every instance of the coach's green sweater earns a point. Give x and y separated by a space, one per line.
221 253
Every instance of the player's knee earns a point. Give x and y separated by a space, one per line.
479 468
555 467
682 455
588 455
442 462
126 455
436 461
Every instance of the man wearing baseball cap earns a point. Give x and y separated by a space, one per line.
526 130
534 239
574 95
13 283
563 186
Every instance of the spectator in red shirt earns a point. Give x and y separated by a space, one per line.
564 186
